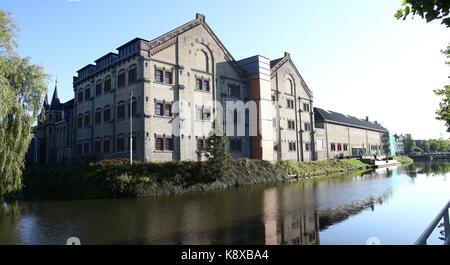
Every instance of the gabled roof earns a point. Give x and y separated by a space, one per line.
277 63
342 119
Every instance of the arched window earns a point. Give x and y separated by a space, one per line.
121 79
290 87
106 113
98 88
98 116
206 61
87 119
87 93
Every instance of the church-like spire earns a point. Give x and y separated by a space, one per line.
55 99
45 105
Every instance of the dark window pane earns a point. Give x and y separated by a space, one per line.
132 75
107 85
121 79
98 89
159 76
87 93
98 117
159 109
106 146
206 85
97 147
198 84
106 115
168 77
121 111
120 144
168 110
169 144
159 144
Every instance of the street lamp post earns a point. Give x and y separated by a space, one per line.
131 127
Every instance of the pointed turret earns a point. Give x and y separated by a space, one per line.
45 105
55 99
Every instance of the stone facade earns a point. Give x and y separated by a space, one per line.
341 135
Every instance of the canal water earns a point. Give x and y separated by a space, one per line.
386 206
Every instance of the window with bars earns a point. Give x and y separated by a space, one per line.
168 77
107 85
290 103
121 79
291 125
159 76
159 144
198 84
132 74
98 89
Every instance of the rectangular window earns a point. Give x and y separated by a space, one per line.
106 146
168 77
345 147
234 90
98 89
306 107
121 111
290 104
291 125
339 147
98 117
169 144
159 76
80 121
159 144
97 147
121 79
87 120
132 75
206 85
87 93
333 147
159 109
168 110
80 96
307 126
292 146
235 144
86 148
120 144
306 146
198 84
106 115
107 85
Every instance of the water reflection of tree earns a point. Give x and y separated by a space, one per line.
434 168
10 214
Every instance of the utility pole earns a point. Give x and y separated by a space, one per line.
131 127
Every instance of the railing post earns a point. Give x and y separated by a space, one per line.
446 224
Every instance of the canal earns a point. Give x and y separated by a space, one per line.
389 206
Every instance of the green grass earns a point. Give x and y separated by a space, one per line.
403 159
322 167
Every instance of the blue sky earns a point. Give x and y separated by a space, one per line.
353 54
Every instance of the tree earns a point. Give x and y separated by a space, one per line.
22 86
426 146
427 9
219 159
443 113
408 144
432 10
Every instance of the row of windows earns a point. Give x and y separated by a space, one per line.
293 146
291 125
163 76
104 145
106 111
340 147
163 143
202 85
105 86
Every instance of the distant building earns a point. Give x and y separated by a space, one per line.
399 142
340 135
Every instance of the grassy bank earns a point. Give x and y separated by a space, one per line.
317 168
403 159
117 179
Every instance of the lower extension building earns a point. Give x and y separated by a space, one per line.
158 99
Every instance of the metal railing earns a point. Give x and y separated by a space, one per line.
443 214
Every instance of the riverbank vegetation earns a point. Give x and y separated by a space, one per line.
118 179
317 168
404 159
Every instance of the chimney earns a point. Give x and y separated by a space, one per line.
367 118
286 54
200 16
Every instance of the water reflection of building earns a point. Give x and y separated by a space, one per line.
285 222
